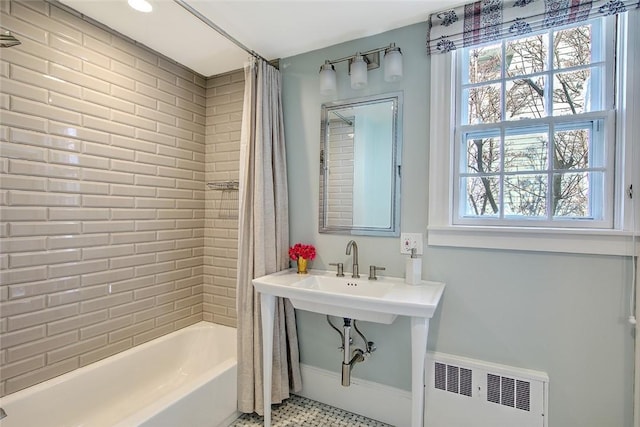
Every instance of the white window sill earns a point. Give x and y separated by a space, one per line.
580 241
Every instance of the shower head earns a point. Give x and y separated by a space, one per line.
8 40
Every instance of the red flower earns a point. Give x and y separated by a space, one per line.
307 252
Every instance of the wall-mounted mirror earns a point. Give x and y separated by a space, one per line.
360 155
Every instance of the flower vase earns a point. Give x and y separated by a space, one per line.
302 265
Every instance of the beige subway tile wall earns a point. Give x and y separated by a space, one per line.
225 95
102 189
340 182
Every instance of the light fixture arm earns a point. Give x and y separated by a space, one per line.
363 54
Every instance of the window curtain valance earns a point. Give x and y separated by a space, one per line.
488 20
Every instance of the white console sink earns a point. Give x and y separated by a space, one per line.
378 301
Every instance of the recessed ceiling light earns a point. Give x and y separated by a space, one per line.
141 5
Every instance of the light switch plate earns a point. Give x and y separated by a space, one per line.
409 241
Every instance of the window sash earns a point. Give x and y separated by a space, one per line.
602 122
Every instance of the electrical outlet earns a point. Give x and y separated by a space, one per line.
409 241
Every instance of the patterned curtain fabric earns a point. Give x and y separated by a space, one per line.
488 20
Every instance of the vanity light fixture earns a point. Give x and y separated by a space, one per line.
141 5
359 64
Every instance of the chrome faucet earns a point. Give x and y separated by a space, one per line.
350 244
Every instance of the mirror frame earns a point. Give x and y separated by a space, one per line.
394 229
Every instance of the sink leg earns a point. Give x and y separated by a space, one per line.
419 333
268 306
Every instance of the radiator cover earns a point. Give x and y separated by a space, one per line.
462 392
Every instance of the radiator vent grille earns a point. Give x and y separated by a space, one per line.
440 376
508 392
453 379
523 396
460 391
493 388
466 382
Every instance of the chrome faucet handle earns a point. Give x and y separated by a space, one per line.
372 271
340 266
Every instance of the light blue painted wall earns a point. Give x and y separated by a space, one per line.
563 314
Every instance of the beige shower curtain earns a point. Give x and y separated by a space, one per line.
263 240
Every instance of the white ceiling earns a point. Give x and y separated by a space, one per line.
271 28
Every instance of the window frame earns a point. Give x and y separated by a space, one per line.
604 30
619 239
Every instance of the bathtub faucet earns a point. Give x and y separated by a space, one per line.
2 414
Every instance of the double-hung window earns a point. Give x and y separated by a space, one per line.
534 136
535 122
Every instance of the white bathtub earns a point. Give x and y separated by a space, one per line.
183 379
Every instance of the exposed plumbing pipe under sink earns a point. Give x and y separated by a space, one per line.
351 358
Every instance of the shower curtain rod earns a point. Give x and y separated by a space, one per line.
222 32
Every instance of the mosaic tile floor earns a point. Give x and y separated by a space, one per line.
302 412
